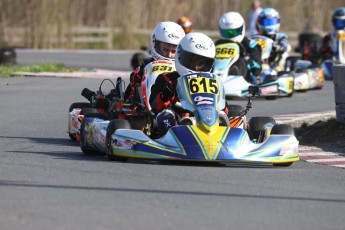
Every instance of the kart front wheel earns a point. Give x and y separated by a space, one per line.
112 127
258 127
84 143
282 129
283 164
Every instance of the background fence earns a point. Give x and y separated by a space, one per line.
126 24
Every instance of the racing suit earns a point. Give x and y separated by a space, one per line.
135 78
280 47
163 96
249 63
329 48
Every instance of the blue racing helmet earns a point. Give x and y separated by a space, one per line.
338 18
268 22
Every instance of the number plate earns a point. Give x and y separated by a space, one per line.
272 89
203 85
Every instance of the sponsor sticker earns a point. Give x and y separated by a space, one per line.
269 89
124 144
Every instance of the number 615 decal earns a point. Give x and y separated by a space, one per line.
203 85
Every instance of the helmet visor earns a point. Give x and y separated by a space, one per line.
269 21
231 33
195 62
339 24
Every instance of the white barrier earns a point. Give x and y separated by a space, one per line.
339 91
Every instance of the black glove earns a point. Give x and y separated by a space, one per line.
167 93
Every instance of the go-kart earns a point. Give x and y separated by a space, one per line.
227 53
264 141
273 82
307 76
136 110
338 46
98 102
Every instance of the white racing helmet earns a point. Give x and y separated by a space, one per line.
195 48
232 27
167 32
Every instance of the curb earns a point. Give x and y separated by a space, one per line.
297 120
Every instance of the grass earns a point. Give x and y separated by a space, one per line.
10 70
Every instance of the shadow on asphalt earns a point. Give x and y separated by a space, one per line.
24 184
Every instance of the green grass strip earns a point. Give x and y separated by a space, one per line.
13 70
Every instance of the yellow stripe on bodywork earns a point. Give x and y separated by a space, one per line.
210 143
280 159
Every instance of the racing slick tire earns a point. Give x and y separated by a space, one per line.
81 105
236 115
85 148
112 127
234 110
283 129
88 110
256 128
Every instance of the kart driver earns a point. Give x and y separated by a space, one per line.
189 59
232 27
328 50
163 43
268 24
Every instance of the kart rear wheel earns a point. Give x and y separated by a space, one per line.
271 97
80 105
87 111
73 138
88 150
234 110
112 127
282 129
256 128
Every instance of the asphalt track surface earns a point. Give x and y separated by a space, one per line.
47 183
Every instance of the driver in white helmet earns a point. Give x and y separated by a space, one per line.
232 27
163 43
195 53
